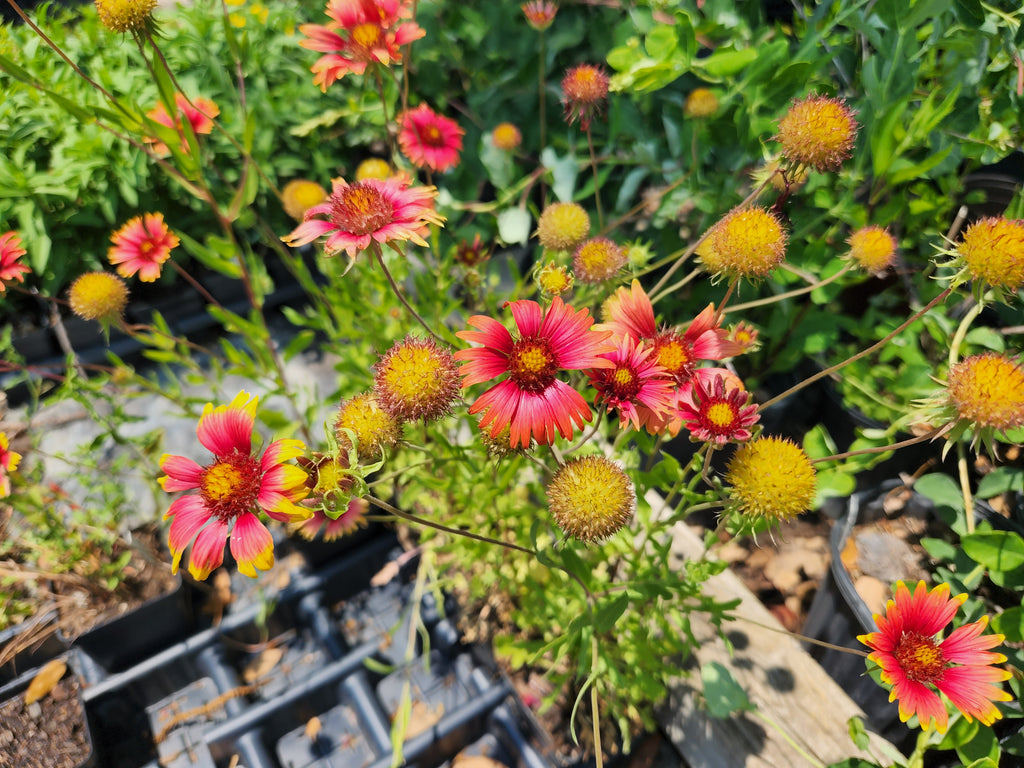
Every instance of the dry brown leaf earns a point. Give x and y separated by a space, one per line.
45 680
313 728
475 761
262 664
422 718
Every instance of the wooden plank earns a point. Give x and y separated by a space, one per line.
788 687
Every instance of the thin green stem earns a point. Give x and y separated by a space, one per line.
867 351
788 294
375 247
789 739
597 188
931 435
594 709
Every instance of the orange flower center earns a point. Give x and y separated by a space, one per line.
624 383
361 209
532 364
674 356
230 485
920 658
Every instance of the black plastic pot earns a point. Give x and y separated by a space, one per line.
28 645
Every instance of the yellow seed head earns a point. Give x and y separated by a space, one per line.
818 132
299 195
506 136
563 226
591 498
98 296
987 391
597 260
373 168
416 379
701 102
374 428
771 479
746 243
992 250
125 15
873 248
554 279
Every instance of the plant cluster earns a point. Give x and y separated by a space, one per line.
561 279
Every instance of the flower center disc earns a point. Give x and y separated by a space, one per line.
366 36
624 383
720 415
675 358
432 136
361 210
230 485
920 658
531 365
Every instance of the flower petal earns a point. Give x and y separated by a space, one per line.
252 546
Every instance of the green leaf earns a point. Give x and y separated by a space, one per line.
514 226
983 749
970 13
1002 480
610 612
1010 623
960 732
722 694
858 733
726 63
996 550
942 490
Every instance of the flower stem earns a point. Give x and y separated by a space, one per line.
937 432
788 294
597 188
867 351
398 292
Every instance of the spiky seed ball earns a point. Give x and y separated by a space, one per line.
992 250
563 226
506 136
591 498
818 132
872 248
416 379
299 195
987 391
746 243
597 260
584 90
125 15
98 296
373 168
701 103
772 479
554 279
374 428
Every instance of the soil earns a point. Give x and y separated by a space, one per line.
50 733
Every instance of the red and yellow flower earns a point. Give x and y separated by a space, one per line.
360 33
141 246
532 402
372 210
584 91
231 491
429 140
539 13
634 382
199 113
10 252
9 461
919 665
717 413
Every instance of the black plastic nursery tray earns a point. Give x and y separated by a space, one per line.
304 672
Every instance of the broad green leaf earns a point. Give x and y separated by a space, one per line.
1010 623
609 612
996 550
726 63
722 694
1002 480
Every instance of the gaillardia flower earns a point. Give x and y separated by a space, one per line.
429 140
9 461
361 32
10 252
141 246
872 248
299 195
374 428
634 382
584 90
231 491
200 118
319 524
554 279
817 132
416 379
992 252
531 401
987 391
591 498
748 242
772 480
539 13
745 335
98 296
562 226
597 260
919 665
700 103
368 211
125 15
718 414
506 136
